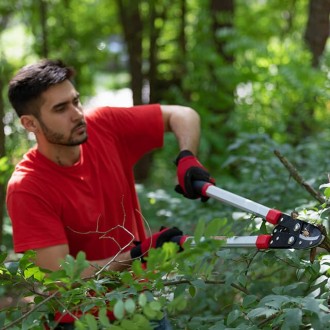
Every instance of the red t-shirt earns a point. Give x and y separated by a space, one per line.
92 206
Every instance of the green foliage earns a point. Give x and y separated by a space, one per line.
268 98
205 286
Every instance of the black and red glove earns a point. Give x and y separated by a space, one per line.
189 169
155 241
180 240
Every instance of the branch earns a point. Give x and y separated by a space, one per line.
294 173
25 315
185 281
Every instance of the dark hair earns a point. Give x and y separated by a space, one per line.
26 87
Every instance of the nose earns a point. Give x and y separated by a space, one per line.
76 113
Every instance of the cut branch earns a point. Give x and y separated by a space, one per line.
294 173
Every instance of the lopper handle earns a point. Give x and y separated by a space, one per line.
290 233
208 189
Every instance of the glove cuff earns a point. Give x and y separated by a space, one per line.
136 252
182 154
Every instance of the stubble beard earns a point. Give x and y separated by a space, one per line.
59 138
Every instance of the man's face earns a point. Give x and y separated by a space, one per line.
61 116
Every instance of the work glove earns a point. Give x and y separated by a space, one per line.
189 169
155 241
180 240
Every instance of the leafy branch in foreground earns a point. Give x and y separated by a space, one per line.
204 286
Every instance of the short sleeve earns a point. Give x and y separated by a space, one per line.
36 224
137 130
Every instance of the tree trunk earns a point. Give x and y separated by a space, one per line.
225 9
222 17
2 154
4 19
43 24
302 119
132 26
317 29
133 30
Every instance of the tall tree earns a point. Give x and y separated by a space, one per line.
222 13
6 12
302 122
317 29
44 31
131 22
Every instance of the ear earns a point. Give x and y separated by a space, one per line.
30 123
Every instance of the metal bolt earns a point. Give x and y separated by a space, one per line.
300 242
296 227
277 238
291 240
271 242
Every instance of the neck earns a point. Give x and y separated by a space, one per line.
61 155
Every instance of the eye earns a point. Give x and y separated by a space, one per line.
76 101
60 108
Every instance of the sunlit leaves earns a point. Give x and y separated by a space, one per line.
74 266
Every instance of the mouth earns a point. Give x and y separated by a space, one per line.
81 128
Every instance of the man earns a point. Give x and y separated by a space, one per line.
74 191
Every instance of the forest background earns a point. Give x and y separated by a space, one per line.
257 72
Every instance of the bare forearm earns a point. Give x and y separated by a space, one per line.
117 263
184 122
51 258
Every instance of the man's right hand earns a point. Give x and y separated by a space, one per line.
189 169
155 241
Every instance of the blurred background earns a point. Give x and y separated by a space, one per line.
256 71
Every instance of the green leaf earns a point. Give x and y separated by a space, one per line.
327 192
92 323
179 303
262 311
137 268
34 272
142 299
263 228
2 318
292 318
322 280
25 261
141 322
312 305
233 316
155 305
212 228
199 284
13 268
242 279
199 230
127 324
115 327
119 310
192 290
104 320
249 300
130 306
316 321
80 264
3 257
149 312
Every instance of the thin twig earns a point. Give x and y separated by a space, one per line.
185 281
293 171
25 315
